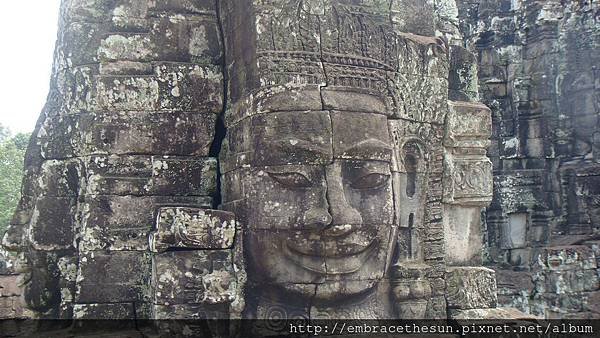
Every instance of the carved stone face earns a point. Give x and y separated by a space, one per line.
319 203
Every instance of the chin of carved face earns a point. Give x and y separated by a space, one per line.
323 225
288 259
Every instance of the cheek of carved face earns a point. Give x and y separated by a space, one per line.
320 224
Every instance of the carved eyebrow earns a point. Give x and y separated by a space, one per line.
371 146
293 144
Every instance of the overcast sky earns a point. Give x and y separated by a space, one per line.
27 36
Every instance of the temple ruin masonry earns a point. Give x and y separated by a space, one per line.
538 72
269 159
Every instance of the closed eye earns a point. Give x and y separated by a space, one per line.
291 179
370 181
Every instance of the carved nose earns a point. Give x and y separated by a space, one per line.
344 217
317 218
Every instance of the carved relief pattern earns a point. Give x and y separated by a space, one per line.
472 178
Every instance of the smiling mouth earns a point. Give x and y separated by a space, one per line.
330 263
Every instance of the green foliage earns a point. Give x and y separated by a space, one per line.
12 152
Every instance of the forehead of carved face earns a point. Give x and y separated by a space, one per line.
319 205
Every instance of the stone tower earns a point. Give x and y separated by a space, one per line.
257 159
538 72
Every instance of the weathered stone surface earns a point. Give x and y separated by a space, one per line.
537 63
567 258
340 157
414 16
469 180
193 229
469 125
490 314
150 175
194 277
471 288
104 311
357 136
463 81
10 307
52 223
9 286
113 277
279 139
147 133
124 222
463 235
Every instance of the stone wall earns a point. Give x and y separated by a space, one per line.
127 147
538 73
127 129
11 302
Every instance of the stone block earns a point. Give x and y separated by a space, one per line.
181 312
280 139
10 308
463 235
55 178
124 222
567 258
357 84
463 80
173 87
513 282
175 133
189 87
142 175
489 314
75 94
192 228
89 11
118 175
520 257
514 232
420 55
129 16
404 132
52 223
365 101
184 7
468 180
570 281
413 16
419 97
127 47
190 38
434 250
469 125
57 137
360 136
592 302
104 311
9 286
194 277
471 288
112 277
181 176
44 279
79 42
